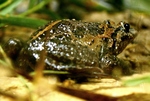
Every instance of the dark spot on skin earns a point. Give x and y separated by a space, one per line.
127 27
124 38
109 24
117 29
114 45
92 41
105 39
113 35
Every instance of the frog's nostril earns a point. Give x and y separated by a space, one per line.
127 27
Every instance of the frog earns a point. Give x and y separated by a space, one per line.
82 48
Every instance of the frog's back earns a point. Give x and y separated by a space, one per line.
68 44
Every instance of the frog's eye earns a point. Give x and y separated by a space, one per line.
127 27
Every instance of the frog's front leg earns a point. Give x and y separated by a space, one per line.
110 64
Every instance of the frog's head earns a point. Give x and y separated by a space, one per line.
121 37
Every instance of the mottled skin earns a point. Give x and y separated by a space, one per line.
82 48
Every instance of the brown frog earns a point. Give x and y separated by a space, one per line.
82 48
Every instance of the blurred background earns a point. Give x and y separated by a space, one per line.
60 9
32 14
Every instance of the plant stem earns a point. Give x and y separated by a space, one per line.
5 4
10 7
22 21
35 8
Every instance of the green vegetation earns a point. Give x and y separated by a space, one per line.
59 9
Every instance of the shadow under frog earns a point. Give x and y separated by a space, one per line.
87 49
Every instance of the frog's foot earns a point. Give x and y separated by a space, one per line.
107 63
87 71
128 67
124 67
83 74
114 66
